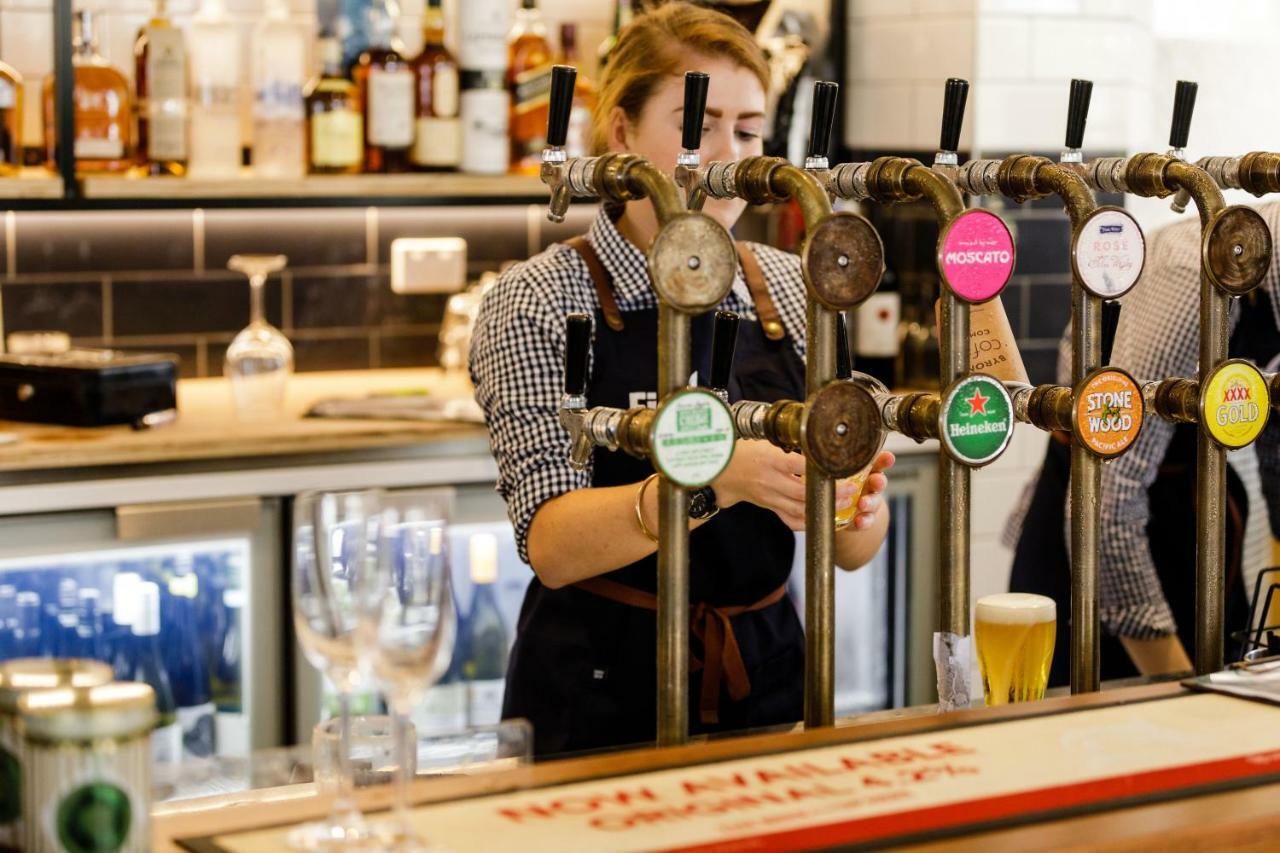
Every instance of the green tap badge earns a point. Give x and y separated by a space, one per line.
692 439
977 420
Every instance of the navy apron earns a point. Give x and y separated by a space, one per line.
1041 563
583 668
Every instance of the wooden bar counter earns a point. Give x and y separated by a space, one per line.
1148 767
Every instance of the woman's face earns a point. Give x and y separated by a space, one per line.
731 130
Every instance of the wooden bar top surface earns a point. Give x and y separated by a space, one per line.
1245 819
207 427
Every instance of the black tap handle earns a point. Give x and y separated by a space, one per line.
563 78
1184 104
844 355
724 339
953 101
1078 112
695 105
824 116
577 349
1110 321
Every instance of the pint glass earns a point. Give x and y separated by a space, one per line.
1014 632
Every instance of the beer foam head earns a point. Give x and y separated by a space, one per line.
1016 608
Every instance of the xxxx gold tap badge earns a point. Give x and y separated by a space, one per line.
1109 412
977 420
1234 404
692 438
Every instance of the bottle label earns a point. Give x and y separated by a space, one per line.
482 34
438 142
390 108
484 131
977 420
878 319
1109 412
1234 404
532 89
444 92
993 347
692 438
975 255
444 710
93 148
337 139
1109 253
8 95
484 701
166 744
197 726
166 94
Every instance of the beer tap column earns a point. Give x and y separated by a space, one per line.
1235 254
691 263
842 260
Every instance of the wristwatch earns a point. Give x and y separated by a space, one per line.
702 503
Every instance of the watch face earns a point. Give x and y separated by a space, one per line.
702 503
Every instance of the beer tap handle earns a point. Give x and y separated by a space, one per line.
953 101
1110 322
1078 113
844 354
577 351
724 340
563 79
695 107
824 115
1184 104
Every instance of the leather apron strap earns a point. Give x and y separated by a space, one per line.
722 659
602 280
770 319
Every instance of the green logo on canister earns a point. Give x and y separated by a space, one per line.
977 420
94 818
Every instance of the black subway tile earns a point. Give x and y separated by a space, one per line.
331 354
330 301
1043 246
186 353
1049 309
72 307
104 241
1014 297
324 237
211 303
1041 363
410 309
409 350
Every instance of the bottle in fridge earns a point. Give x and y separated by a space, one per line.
187 667
148 668
486 641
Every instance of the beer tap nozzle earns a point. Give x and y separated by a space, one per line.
724 340
1077 116
563 78
824 115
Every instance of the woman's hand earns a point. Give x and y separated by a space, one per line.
870 501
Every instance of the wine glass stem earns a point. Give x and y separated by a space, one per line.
346 783
257 311
406 760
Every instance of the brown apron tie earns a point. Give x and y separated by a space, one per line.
770 319
603 282
722 658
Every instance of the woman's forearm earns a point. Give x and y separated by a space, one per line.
855 548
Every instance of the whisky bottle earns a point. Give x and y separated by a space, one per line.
622 14
101 104
10 120
438 131
279 73
484 100
215 150
160 80
385 80
578 141
529 63
335 125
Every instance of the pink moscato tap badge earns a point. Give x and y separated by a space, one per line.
976 255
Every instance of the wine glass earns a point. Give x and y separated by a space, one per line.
260 358
336 537
405 634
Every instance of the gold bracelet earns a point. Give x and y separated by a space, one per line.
644 528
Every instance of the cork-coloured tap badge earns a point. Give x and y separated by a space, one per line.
975 255
1234 404
1109 412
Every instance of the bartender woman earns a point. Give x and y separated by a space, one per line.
583 667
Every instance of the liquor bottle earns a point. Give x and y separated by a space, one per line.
622 15
335 125
124 604
279 74
8 619
385 80
65 643
160 79
876 338
484 99
27 640
166 738
444 708
215 94
232 723
10 120
529 63
90 627
438 134
186 665
101 102
486 645
578 141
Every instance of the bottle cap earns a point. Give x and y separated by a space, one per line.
484 558
147 618
27 674
124 597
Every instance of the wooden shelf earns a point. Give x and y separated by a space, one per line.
428 187
33 183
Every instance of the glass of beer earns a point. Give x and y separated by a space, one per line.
1015 634
845 515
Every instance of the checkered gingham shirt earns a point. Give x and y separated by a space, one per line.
1159 337
517 354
